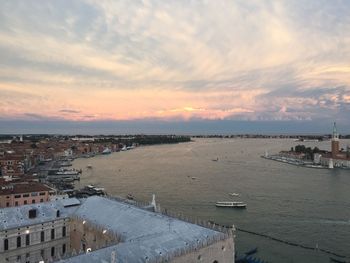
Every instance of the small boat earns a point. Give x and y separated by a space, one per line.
129 197
233 194
106 151
193 178
215 160
89 166
231 204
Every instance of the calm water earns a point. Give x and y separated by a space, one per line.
302 205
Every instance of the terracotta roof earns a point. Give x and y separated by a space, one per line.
23 187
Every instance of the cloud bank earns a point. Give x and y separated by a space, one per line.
175 60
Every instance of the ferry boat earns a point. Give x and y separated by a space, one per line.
231 204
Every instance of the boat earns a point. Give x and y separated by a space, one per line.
193 178
89 166
129 197
64 171
231 204
215 160
233 194
106 151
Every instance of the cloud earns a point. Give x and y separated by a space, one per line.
120 60
69 111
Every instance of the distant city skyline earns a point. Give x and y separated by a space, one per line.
195 67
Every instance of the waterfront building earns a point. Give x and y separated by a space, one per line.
99 229
17 193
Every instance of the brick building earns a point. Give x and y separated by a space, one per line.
17 193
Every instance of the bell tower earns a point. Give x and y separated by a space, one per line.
335 141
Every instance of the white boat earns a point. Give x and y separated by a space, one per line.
89 166
106 151
67 172
233 194
231 204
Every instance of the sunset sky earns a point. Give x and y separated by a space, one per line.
175 61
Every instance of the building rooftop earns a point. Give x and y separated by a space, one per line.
16 217
9 188
145 235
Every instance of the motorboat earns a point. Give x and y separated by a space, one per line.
231 204
233 194
130 197
106 151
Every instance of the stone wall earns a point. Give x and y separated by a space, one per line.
85 235
219 252
36 249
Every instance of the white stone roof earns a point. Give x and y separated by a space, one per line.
16 217
145 235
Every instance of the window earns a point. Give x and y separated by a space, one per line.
42 193
34 194
19 241
64 231
52 251
42 253
27 240
64 249
33 201
7 204
42 236
25 202
17 196
25 195
16 203
53 233
41 200
6 244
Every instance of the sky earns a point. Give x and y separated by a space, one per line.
227 64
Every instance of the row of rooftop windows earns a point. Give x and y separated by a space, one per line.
25 202
27 195
28 240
